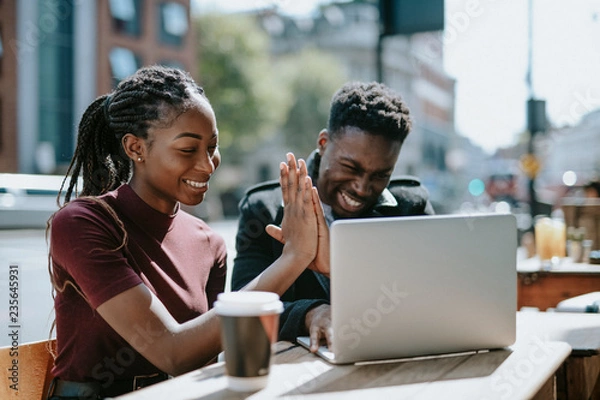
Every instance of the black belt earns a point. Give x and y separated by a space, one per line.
60 389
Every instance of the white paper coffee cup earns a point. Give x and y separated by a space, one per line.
249 327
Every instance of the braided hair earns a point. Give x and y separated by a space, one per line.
371 107
153 96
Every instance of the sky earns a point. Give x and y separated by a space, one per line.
486 50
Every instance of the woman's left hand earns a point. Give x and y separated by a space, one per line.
299 228
290 172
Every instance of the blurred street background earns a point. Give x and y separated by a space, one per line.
505 97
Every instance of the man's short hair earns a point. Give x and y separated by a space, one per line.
371 107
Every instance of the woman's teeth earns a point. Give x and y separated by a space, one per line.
196 184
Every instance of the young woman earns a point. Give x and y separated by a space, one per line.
135 276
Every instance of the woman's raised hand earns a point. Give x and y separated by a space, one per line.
299 228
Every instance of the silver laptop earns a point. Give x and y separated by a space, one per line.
406 287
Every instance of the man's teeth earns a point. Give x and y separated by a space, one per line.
352 203
196 184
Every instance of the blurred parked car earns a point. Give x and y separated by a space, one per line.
27 200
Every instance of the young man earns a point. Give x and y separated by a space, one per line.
351 168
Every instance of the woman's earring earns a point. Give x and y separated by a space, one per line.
139 158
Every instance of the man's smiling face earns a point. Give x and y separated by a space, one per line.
355 168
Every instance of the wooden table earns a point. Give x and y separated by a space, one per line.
526 370
545 289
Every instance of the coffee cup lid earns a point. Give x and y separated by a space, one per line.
248 303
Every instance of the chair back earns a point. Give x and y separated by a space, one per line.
27 370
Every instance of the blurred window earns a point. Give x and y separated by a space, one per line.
429 154
1 50
1 132
441 159
123 62
173 23
126 16
56 73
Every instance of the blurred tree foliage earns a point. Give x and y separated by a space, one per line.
313 77
236 73
254 96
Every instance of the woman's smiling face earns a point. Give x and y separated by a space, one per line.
355 168
179 160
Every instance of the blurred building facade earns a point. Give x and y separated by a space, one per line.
57 56
412 65
574 149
